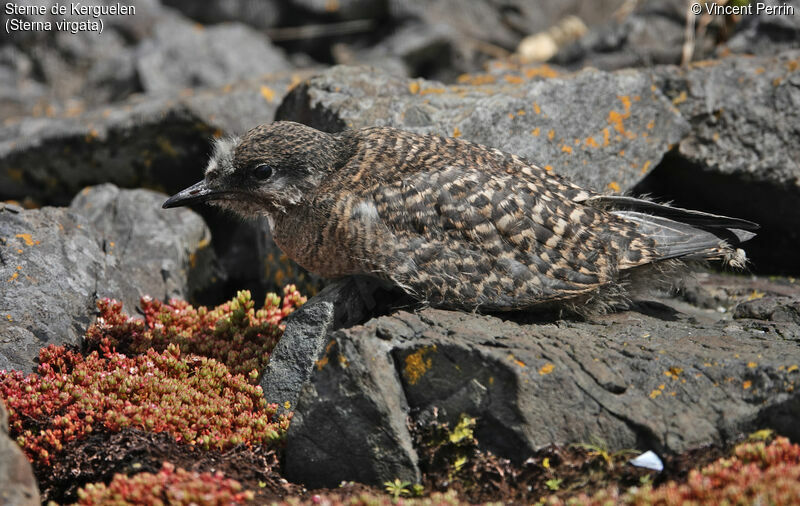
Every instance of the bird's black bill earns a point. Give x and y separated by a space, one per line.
194 194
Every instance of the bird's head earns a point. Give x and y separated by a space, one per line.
267 171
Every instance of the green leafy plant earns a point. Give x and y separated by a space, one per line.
397 488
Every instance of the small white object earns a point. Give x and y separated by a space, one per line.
648 460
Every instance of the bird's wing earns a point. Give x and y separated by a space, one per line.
460 223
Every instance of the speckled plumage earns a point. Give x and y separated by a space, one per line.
453 223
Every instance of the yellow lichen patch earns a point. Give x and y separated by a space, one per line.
606 136
321 363
204 242
513 79
217 134
536 108
645 166
456 132
591 142
413 87
27 238
521 112
615 118
681 98
427 91
511 115
476 80
752 365
192 260
566 149
287 405
92 135
546 369
621 152
268 93
9 318
792 368
548 168
13 277
777 81
517 361
655 393
651 124
747 384
343 361
535 132
541 71
755 294
416 365
613 186
673 372
551 134
792 65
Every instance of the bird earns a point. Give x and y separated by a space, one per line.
455 224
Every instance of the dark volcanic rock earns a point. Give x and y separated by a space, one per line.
161 143
599 129
17 483
55 263
158 142
745 118
343 303
666 376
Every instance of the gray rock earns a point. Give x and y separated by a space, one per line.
343 303
652 34
744 115
666 376
160 142
55 263
147 251
745 122
767 34
17 483
350 421
52 265
184 55
597 128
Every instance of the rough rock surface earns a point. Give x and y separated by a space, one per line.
55 264
17 483
147 251
745 124
161 143
600 129
666 376
341 304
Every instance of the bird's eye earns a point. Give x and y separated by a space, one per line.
262 172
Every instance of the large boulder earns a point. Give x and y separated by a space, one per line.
57 262
666 376
745 122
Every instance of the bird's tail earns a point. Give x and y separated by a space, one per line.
683 233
